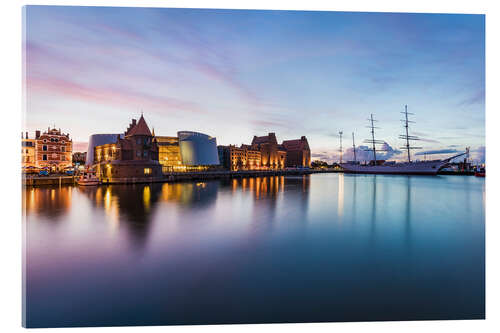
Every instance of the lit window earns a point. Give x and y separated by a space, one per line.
147 171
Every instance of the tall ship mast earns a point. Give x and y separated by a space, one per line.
393 167
372 141
353 147
406 136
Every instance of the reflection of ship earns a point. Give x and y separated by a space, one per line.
392 167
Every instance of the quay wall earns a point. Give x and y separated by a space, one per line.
171 177
49 181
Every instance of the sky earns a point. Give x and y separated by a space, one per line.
234 74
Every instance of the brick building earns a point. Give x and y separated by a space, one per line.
135 155
239 158
298 153
53 150
273 156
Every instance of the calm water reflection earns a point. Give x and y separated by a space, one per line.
328 247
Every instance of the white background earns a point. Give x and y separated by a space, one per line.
11 127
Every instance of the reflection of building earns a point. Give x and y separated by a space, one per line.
98 140
243 158
53 149
79 158
134 155
197 149
28 151
298 153
273 156
169 153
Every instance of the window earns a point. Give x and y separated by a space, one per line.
147 171
138 153
62 141
63 148
63 158
145 153
44 148
44 140
51 139
44 157
56 140
138 141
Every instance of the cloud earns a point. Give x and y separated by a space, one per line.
437 152
478 154
110 95
477 98
364 153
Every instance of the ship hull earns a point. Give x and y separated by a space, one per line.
430 168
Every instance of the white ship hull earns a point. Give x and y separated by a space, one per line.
413 168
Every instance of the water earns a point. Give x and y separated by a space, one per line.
325 247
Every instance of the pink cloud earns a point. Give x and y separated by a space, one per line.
109 95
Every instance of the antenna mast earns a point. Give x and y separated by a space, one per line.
353 147
340 133
406 136
373 141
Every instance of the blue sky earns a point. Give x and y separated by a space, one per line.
234 74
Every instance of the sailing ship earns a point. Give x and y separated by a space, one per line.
392 167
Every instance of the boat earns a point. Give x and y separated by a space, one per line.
88 179
392 167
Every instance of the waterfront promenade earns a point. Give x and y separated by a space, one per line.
175 177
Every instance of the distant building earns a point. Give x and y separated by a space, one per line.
28 151
79 158
135 155
239 158
53 150
273 156
298 153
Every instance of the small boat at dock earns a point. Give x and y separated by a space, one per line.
88 179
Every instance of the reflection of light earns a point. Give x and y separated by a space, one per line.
107 199
111 209
341 195
146 195
235 184
52 194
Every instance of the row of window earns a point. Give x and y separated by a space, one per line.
53 140
45 148
44 157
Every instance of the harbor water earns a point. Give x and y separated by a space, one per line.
321 247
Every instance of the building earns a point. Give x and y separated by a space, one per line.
28 152
79 158
273 156
298 153
197 149
135 155
98 140
169 153
53 150
239 158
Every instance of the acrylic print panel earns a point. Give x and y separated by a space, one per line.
194 166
